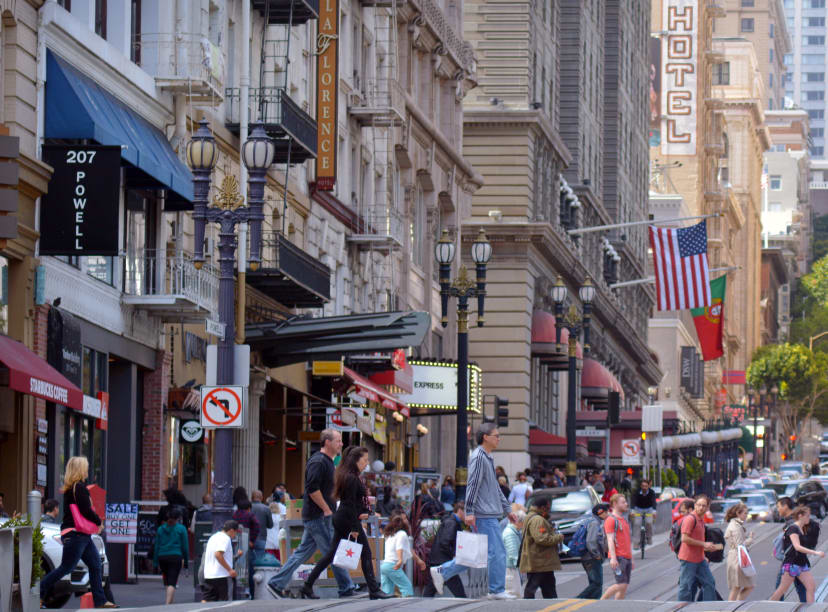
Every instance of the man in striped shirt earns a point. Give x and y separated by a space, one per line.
485 506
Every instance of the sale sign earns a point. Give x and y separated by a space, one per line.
121 523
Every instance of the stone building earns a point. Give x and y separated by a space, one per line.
536 128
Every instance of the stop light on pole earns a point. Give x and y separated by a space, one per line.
501 412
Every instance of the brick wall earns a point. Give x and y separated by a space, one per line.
153 470
41 331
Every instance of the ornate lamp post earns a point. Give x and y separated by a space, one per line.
462 288
574 323
227 211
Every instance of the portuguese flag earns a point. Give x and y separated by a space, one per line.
708 320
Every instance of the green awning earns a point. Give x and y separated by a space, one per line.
296 340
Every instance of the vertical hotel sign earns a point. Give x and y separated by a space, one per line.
327 80
679 61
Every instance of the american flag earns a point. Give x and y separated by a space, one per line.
681 272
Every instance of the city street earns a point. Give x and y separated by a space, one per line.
655 579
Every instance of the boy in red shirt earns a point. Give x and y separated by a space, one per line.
694 567
620 547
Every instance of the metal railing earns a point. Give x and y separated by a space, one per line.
272 106
383 221
279 253
154 273
188 57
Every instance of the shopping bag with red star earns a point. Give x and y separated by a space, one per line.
347 554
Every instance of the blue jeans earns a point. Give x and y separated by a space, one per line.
391 577
497 557
256 551
318 534
691 573
77 547
595 574
800 588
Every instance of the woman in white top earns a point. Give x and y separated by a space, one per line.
397 552
277 511
521 492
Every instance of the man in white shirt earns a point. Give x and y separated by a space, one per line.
218 563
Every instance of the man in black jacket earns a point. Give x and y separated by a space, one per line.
443 548
643 502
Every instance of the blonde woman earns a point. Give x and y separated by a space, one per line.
77 546
736 535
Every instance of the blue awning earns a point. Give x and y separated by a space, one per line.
77 107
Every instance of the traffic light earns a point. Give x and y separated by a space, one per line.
793 438
614 409
501 412
643 435
783 456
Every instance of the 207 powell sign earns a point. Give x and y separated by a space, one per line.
79 215
327 78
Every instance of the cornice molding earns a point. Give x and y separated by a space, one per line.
523 117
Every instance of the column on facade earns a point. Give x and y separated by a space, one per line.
246 440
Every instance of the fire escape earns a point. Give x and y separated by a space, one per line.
378 107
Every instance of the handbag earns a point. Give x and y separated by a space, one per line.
472 549
82 524
745 562
348 554
513 585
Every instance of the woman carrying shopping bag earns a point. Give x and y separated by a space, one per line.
539 554
353 508
739 583
79 523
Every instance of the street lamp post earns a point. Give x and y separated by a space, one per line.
763 391
574 323
462 288
766 438
227 211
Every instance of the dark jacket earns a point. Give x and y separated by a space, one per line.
352 502
79 495
647 500
443 546
265 518
249 520
171 541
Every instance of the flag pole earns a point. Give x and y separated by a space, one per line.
601 228
651 279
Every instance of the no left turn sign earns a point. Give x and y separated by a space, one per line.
222 407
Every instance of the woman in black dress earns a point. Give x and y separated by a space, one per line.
353 508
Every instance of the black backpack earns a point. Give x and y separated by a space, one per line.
811 538
715 535
675 536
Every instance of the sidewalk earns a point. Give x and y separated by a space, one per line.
148 592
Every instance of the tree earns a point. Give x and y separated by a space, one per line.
816 282
799 375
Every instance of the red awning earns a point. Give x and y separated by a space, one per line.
596 380
375 393
28 373
539 436
402 378
543 339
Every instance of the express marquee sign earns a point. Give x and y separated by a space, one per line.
679 61
435 386
327 79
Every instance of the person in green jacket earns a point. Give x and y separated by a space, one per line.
511 540
539 552
171 548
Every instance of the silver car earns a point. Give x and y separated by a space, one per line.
77 581
759 509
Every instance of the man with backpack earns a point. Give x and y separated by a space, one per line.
619 547
785 507
694 566
590 542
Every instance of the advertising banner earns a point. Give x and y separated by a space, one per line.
327 80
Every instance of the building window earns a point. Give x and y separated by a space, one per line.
418 228
813 59
67 4
813 95
747 3
770 55
102 268
817 151
815 77
72 260
817 132
747 25
775 182
770 80
100 18
813 41
816 114
787 59
721 73
813 4
135 32
775 207
814 22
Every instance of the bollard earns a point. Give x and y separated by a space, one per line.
35 507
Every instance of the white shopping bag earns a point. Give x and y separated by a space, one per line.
745 562
347 554
472 549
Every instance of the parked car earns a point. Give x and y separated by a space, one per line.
76 582
719 507
804 493
671 493
793 469
708 517
759 508
570 506
734 490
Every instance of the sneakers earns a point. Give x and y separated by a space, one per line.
501 595
276 592
437 579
